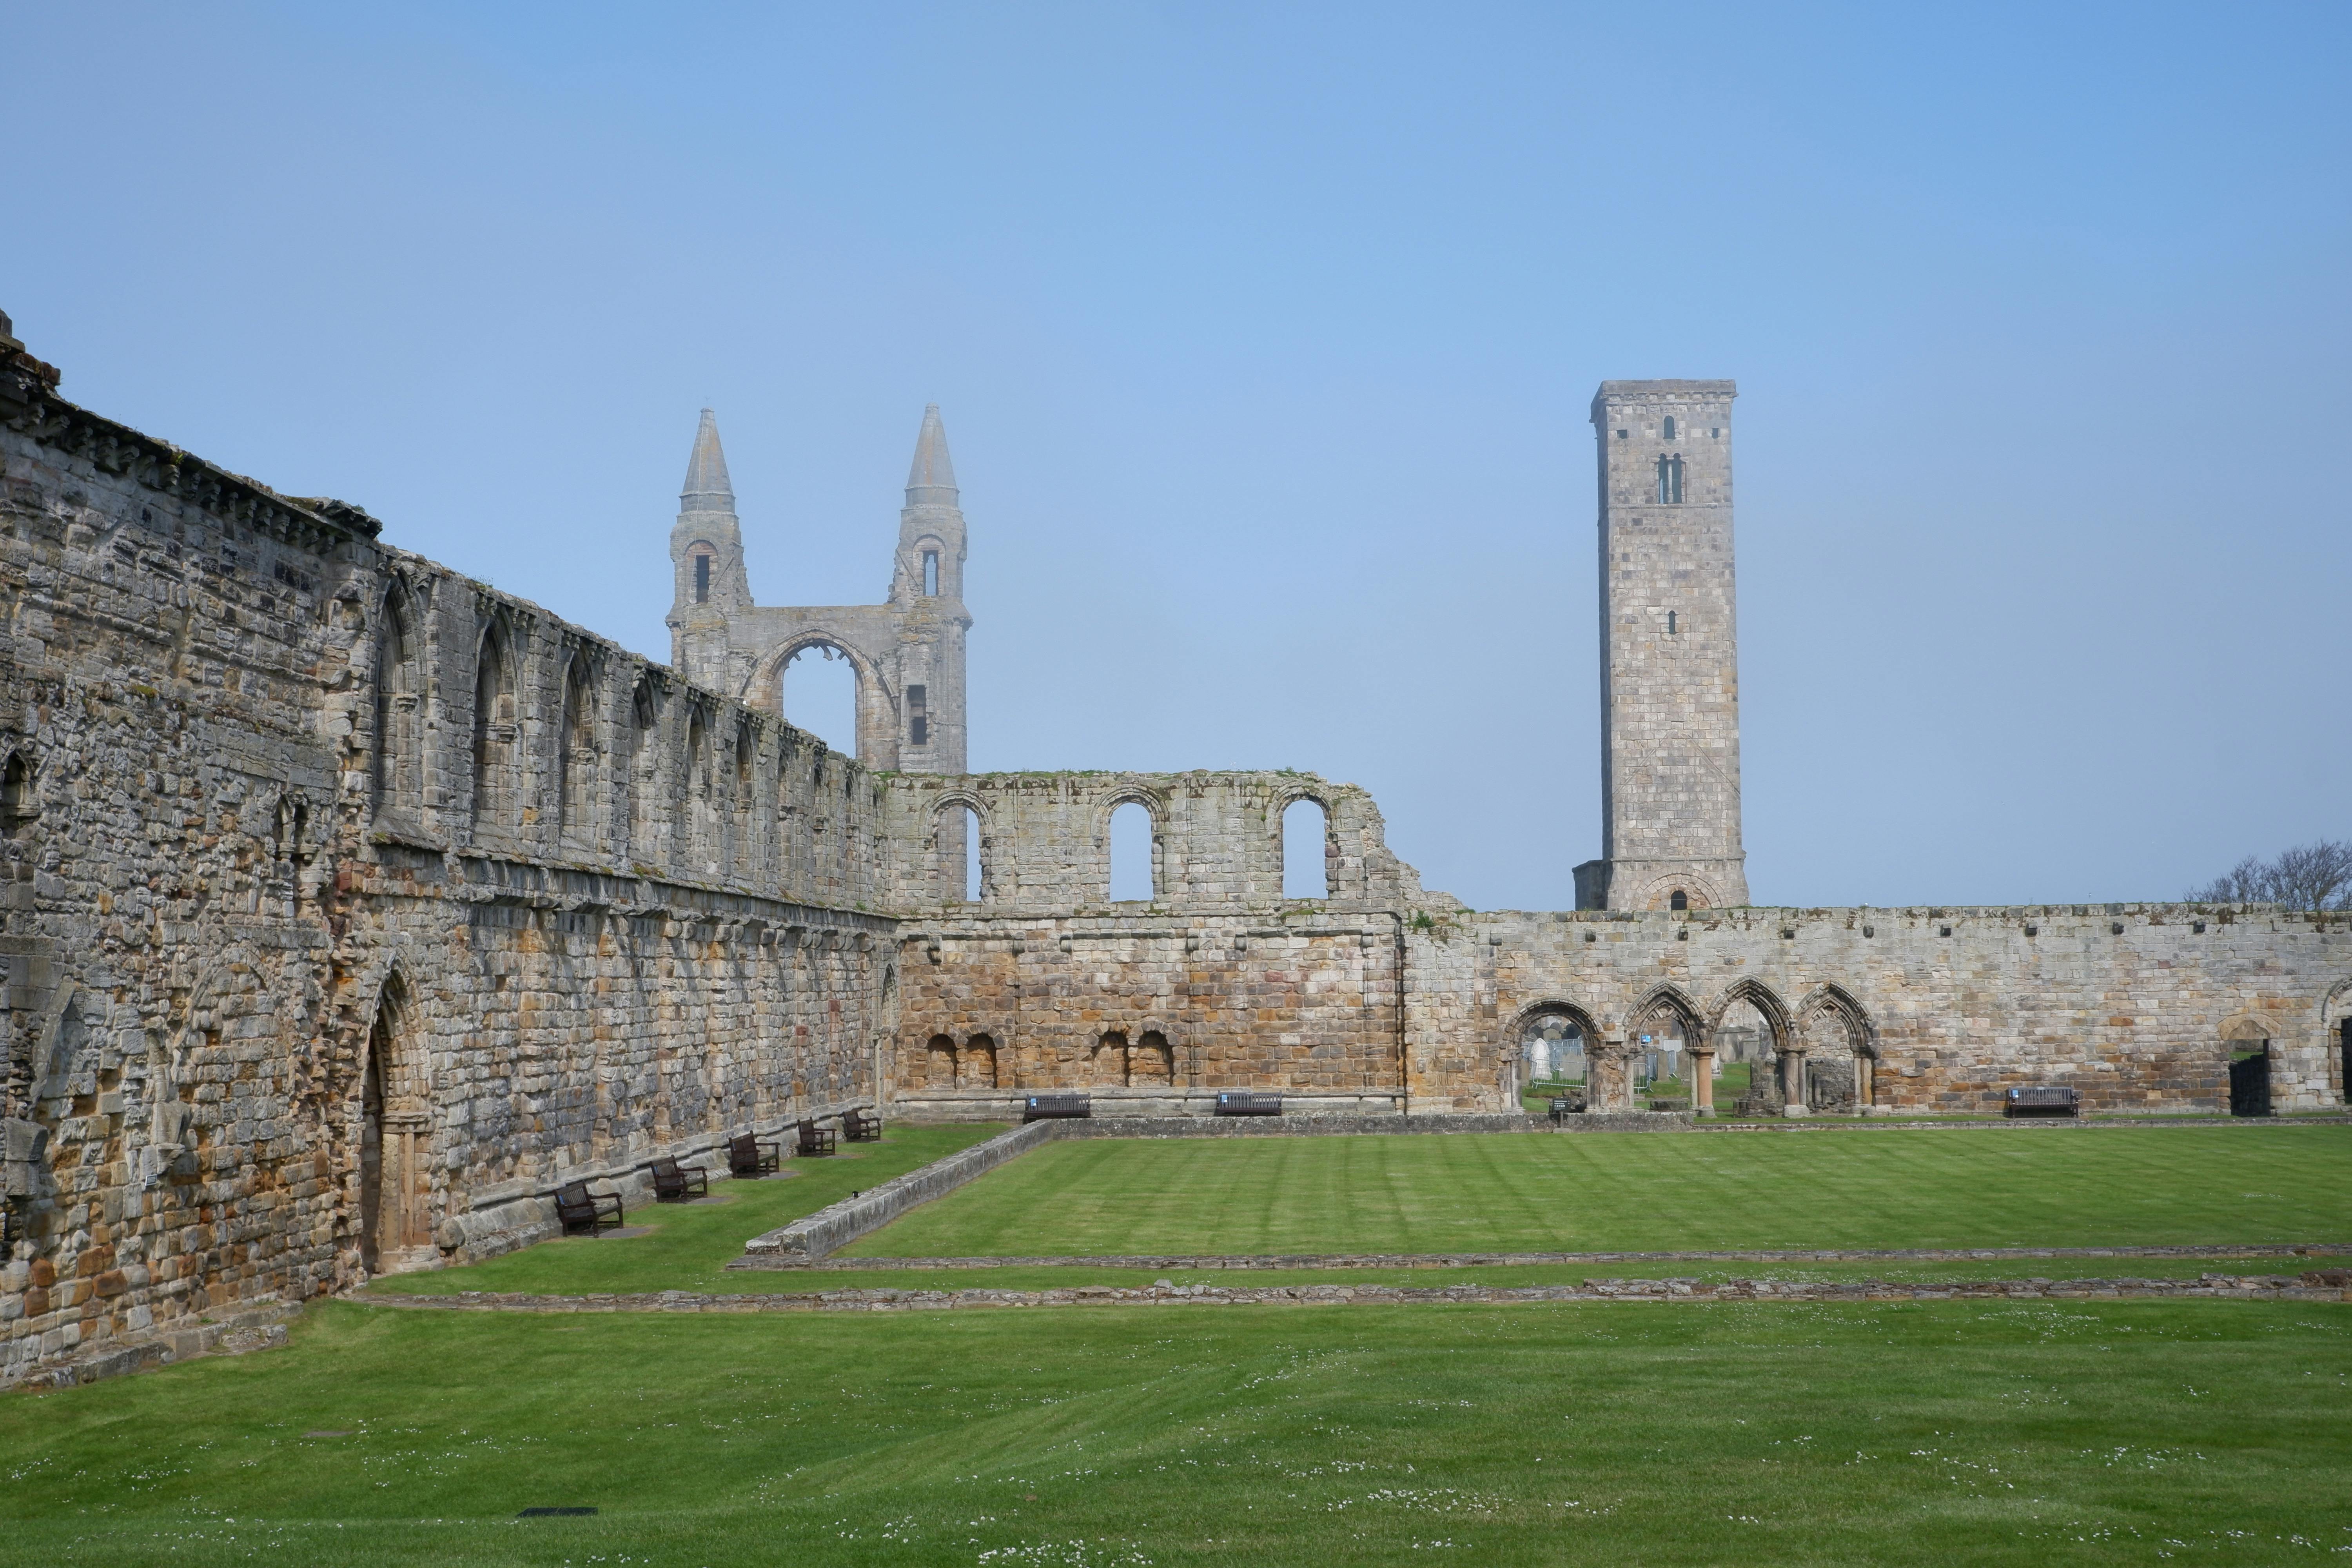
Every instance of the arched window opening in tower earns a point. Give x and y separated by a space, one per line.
919 716
1306 850
494 731
1679 900
702 579
1670 427
1130 854
930 574
1672 629
1670 481
820 695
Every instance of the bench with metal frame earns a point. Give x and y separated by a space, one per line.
1561 1107
577 1207
1247 1102
1045 1107
2042 1100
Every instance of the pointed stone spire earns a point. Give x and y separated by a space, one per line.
706 487
931 481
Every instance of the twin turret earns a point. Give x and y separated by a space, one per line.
907 654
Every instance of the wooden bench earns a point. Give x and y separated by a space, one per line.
860 1126
2042 1100
578 1208
1561 1107
1043 1107
673 1184
813 1139
749 1158
1245 1102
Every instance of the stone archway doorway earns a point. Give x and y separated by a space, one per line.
394 1235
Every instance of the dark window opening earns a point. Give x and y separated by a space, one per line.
1671 628
702 579
1670 427
1716 433
1678 900
17 805
1622 434
1670 481
919 718
931 573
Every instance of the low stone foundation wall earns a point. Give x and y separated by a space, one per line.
838 1224
2318 1284
1289 1126
1006 1105
259 1327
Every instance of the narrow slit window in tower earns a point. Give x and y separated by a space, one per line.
1670 427
918 717
702 579
1671 628
1670 481
931 573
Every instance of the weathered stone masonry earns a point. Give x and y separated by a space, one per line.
351 905
347 906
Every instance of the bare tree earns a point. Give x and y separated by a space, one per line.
2308 877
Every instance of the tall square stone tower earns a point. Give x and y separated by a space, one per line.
1669 652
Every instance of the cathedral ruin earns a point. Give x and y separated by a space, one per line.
353 905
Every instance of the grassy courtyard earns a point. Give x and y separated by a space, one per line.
1848 1187
1944 1433
1987 1432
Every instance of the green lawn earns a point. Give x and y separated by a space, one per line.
692 1243
1852 1187
1950 1432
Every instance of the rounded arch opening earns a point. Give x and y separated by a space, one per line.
1307 848
1134 854
1549 1056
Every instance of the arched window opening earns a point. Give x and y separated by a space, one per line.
19 803
399 720
701 578
1670 481
930 574
1670 427
940 1063
1678 900
919 716
976 1066
643 774
819 690
575 755
1152 1062
1110 1061
1746 1061
1674 625
1552 1062
961 876
1131 879
1306 850
1659 1048
701 805
494 732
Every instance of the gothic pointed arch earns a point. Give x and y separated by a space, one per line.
1830 1016
1662 1002
1767 1005
578 758
397 767
878 702
496 726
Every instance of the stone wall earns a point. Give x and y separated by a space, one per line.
350 905
2138 1006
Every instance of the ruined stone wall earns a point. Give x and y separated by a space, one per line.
2138 1006
347 905
1217 982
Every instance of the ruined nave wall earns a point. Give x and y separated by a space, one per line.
577 911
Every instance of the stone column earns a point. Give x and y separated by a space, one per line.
1865 1083
1793 1082
1703 1080
1607 1076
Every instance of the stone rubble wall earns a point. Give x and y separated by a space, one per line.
2137 1006
636 931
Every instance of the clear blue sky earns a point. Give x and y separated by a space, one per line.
1265 337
